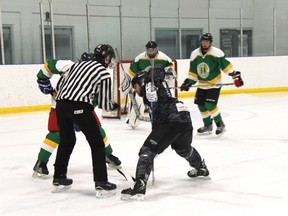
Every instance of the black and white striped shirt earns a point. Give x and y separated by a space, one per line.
85 81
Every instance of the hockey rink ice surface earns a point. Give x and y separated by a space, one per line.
248 166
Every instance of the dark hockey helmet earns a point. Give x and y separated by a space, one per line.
86 56
103 54
151 49
207 36
158 74
151 44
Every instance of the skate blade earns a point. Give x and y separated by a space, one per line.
205 133
128 197
100 193
61 188
39 175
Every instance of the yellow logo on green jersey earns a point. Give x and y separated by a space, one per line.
203 70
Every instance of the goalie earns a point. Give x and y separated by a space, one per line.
144 61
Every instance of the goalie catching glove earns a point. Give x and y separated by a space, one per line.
236 75
151 95
45 86
186 85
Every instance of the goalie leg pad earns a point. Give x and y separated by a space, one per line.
133 119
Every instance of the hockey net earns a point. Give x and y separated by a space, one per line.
123 100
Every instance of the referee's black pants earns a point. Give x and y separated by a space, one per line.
83 115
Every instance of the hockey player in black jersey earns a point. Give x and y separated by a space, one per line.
171 126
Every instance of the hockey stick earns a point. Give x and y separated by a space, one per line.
152 62
204 85
119 171
125 84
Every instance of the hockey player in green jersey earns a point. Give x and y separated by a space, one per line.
52 138
143 62
206 66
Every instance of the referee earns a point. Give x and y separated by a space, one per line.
76 89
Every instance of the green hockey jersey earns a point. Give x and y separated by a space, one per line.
206 69
142 61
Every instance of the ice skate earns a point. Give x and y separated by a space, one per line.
201 171
206 129
105 189
61 184
40 170
113 161
137 191
220 128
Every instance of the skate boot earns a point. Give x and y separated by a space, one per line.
138 189
220 128
206 129
40 170
61 184
105 189
201 171
113 161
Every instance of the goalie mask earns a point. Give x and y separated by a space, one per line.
151 49
104 54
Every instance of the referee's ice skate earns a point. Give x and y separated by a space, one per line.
105 189
61 184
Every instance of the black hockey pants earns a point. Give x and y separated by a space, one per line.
178 135
82 114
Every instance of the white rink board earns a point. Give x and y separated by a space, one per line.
18 84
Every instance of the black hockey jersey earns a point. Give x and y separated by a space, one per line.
167 108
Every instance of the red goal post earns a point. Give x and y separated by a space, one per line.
123 100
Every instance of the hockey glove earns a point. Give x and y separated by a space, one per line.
185 85
236 75
151 95
76 128
113 106
169 73
45 86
